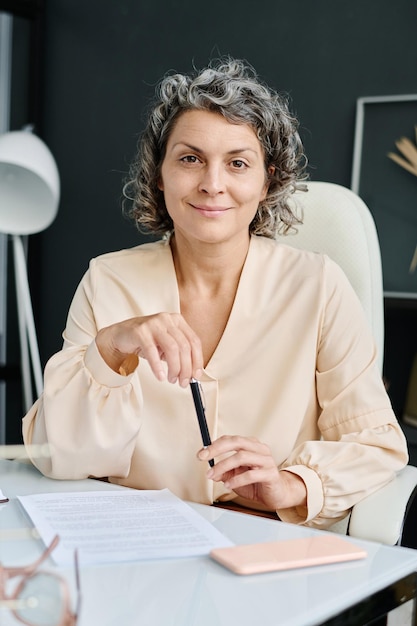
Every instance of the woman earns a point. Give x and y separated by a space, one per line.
298 415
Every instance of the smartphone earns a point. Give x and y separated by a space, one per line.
284 555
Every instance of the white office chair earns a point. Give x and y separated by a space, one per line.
338 223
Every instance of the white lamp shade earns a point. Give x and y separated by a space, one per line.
29 184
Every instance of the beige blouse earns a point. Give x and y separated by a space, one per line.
295 368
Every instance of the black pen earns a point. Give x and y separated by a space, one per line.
201 415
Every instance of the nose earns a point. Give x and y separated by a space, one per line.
212 180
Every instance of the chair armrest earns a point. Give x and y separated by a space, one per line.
380 516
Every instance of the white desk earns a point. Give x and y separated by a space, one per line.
199 592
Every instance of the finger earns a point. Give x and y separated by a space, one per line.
197 361
179 358
184 355
258 476
151 353
165 340
233 443
161 341
158 347
148 349
191 353
239 460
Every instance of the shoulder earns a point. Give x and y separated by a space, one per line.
131 268
287 264
126 254
143 254
289 257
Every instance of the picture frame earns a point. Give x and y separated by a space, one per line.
387 189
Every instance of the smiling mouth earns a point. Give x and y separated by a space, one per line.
210 211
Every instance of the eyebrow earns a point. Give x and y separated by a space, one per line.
199 150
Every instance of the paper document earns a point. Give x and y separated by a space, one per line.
115 526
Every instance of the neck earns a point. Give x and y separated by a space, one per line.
207 266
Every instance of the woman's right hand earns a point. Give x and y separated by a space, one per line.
163 337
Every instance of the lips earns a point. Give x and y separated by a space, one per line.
210 211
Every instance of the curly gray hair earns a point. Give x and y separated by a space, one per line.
231 88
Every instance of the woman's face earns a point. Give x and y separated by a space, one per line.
213 177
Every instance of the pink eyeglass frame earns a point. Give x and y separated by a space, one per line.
68 618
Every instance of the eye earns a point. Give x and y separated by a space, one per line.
238 164
189 158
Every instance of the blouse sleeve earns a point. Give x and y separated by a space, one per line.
83 400
362 444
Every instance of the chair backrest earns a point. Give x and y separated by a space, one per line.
338 223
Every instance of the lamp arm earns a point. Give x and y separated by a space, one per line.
24 348
26 325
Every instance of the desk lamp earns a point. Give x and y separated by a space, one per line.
29 196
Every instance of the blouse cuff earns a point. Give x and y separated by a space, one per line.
315 497
100 371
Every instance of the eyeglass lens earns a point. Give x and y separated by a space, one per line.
43 599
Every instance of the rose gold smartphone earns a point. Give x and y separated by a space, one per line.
284 555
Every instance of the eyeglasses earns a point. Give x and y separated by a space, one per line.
41 598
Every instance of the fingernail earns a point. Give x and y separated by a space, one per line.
199 373
203 454
210 473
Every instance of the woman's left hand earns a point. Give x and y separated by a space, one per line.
249 470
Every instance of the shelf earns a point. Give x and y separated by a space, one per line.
400 295
400 300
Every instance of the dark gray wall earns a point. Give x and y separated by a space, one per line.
103 57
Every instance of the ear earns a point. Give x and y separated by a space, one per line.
269 172
160 184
